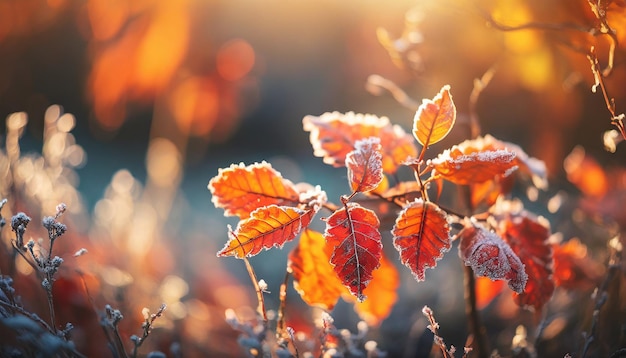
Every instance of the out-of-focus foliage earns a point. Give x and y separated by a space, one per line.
196 69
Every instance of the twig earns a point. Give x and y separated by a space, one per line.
259 292
111 342
111 319
23 312
601 296
376 84
616 120
618 353
17 250
473 316
147 326
604 29
479 85
293 340
433 326
282 296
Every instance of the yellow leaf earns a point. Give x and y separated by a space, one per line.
314 277
266 227
381 294
434 118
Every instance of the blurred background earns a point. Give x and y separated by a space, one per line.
162 93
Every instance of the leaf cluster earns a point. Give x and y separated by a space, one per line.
504 243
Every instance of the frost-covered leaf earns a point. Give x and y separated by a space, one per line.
434 118
365 166
421 235
266 227
333 136
527 236
353 234
532 167
487 192
490 256
314 277
467 163
381 294
241 189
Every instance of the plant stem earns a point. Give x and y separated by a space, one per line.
280 323
51 308
259 292
479 344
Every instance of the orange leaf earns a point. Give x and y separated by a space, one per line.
266 227
314 278
381 294
398 146
528 237
486 291
586 173
573 268
240 189
365 166
486 192
490 256
333 136
469 163
434 118
353 234
421 235
530 166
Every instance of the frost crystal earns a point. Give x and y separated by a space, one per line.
490 256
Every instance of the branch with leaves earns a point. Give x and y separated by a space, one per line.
504 242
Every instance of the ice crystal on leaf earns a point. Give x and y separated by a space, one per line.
490 256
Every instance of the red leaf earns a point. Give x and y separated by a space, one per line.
240 189
333 136
573 268
353 234
490 256
434 118
528 237
314 278
586 173
266 227
421 235
381 294
365 166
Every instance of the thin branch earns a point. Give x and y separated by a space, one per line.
23 312
600 14
433 326
479 85
616 120
259 292
51 307
116 350
19 251
147 326
601 296
282 296
473 316
605 29
376 84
